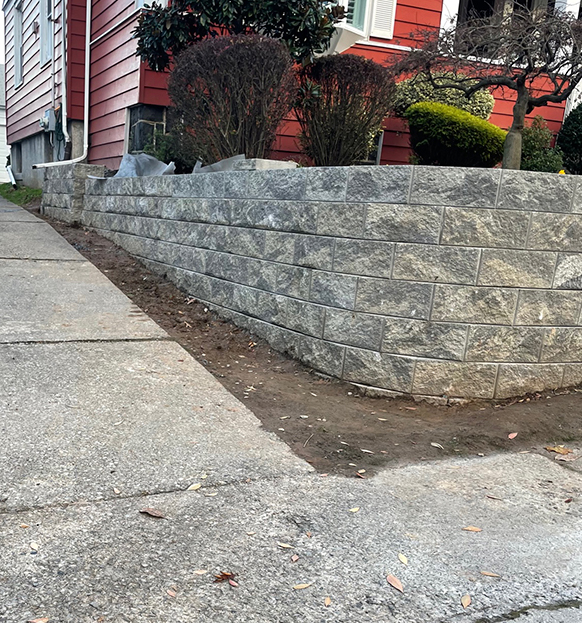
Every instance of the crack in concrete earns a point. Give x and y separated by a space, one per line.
516 614
90 341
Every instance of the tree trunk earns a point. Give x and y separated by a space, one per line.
512 147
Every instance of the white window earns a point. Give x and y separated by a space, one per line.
18 64
371 18
147 3
46 31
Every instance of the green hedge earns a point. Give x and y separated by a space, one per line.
444 135
570 141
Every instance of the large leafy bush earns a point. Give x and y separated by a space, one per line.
537 153
232 93
420 89
570 141
444 135
343 101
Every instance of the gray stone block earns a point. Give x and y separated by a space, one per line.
271 308
185 209
354 329
341 219
375 184
454 380
261 275
248 242
539 192
158 186
548 307
485 228
455 186
568 275
402 223
235 185
278 215
363 257
515 344
556 232
279 247
562 345
419 338
323 356
395 298
477 305
142 206
572 375
293 281
326 183
219 211
519 379
378 369
418 262
305 317
333 289
243 300
314 252
509 268
278 184
198 185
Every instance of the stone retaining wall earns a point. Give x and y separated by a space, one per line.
424 280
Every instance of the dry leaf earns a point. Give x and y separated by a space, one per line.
232 582
34 546
152 512
510 436
24 525
116 491
559 449
568 500
402 558
251 533
382 419
42 620
395 583
200 571
566 457
327 602
284 545
170 592
466 601
294 558
492 497
366 451
224 575
472 529
299 587
355 509
194 487
437 445
490 575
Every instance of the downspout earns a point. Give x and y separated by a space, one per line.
46 165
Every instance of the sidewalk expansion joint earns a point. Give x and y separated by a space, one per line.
91 341
41 259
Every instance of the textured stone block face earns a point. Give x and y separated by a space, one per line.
556 232
568 275
419 338
519 379
516 344
333 289
443 378
416 262
402 223
341 219
394 298
293 281
548 307
271 308
279 247
540 192
305 318
198 185
474 305
572 375
280 215
353 329
277 184
323 356
379 184
314 252
249 242
508 268
326 183
485 228
363 257
562 345
378 369
454 186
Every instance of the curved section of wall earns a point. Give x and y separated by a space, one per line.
423 280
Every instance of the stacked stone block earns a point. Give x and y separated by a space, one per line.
432 281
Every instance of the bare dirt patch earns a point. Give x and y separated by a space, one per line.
325 421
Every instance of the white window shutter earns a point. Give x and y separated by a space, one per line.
383 19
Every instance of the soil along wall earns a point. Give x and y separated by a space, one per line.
425 280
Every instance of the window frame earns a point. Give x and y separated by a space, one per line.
18 39
369 16
47 31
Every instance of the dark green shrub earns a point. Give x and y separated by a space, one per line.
343 100
420 89
232 93
537 153
444 135
570 141
177 146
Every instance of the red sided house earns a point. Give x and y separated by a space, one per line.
75 89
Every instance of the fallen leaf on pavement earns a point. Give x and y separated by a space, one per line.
355 509
170 592
194 487
24 525
466 601
43 620
559 449
284 545
566 457
116 491
152 512
436 445
34 546
510 436
232 582
395 583
366 451
200 571
294 558
492 497
472 529
567 501
224 575
299 587
490 575
327 602
402 558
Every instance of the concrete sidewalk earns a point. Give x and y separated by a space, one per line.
102 415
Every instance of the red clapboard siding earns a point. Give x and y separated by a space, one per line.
76 59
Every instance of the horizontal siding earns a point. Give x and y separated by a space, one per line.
76 10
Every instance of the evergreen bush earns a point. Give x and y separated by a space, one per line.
570 141
537 153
